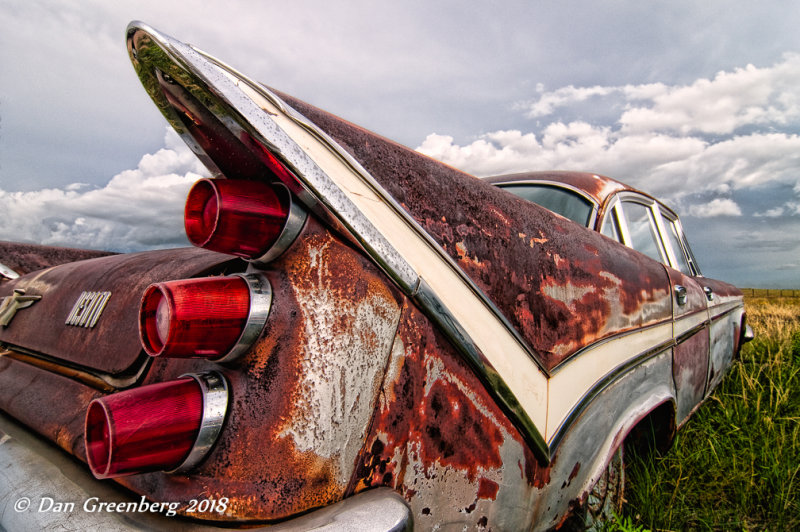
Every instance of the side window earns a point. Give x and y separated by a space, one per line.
642 229
690 256
611 226
674 239
557 199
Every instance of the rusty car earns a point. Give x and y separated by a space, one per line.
362 338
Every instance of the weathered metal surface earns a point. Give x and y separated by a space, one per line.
337 188
25 258
689 370
440 440
561 286
303 397
727 322
600 428
112 346
51 404
65 496
690 358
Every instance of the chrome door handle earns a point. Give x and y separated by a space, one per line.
680 294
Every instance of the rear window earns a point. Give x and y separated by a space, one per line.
560 200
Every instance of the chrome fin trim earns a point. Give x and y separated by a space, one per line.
220 86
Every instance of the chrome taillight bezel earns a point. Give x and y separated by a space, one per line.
216 397
105 415
259 306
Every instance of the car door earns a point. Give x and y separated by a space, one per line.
642 225
724 326
694 332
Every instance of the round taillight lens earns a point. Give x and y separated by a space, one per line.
237 217
169 426
194 318
152 428
214 317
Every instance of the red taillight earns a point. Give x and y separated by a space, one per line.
212 317
159 427
243 218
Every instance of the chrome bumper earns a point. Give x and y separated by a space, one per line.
748 335
42 488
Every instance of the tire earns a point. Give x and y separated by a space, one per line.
604 501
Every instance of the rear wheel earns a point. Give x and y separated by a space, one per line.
605 498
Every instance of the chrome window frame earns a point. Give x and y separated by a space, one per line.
650 205
668 215
614 214
685 247
655 210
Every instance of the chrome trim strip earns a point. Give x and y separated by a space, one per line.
102 381
318 188
215 407
601 385
594 345
295 222
691 332
585 349
260 305
734 306
495 384
7 272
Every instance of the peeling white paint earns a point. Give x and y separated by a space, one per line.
347 344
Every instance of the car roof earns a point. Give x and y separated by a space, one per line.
595 186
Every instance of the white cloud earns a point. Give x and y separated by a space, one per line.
771 213
716 207
660 141
745 97
790 208
548 102
136 209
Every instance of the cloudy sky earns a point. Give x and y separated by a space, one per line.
696 103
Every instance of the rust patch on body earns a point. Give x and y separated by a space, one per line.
303 398
487 489
113 345
456 434
440 440
26 258
563 287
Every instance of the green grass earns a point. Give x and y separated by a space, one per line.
736 464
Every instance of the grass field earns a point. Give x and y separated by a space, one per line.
736 464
